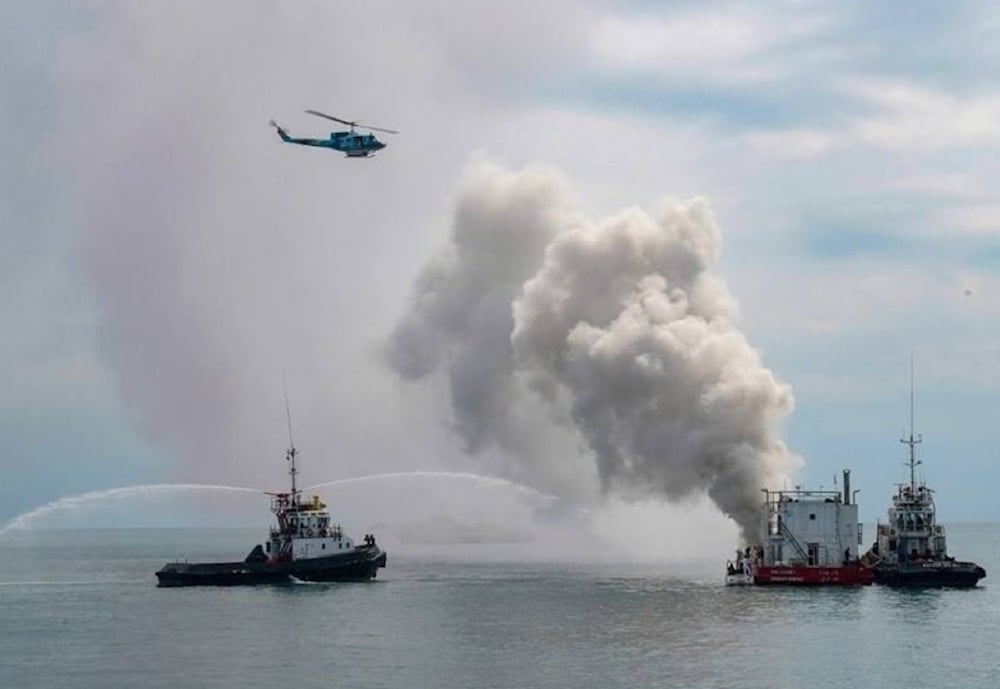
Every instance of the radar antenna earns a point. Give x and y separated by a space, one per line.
912 441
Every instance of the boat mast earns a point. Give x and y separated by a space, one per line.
291 452
912 441
290 457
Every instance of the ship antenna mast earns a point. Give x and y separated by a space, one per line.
912 441
291 452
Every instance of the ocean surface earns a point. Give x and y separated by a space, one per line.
81 609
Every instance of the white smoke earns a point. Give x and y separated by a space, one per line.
609 349
461 321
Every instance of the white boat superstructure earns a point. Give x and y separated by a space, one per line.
810 538
304 530
911 532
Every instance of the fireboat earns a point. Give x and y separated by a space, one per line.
811 539
303 544
910 550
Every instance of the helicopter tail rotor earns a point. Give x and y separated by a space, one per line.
282 132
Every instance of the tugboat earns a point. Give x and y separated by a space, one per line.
910 550
811 539
303 545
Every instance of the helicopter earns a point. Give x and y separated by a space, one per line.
352 144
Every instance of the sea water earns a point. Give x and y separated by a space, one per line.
81 609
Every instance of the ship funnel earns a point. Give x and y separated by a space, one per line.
847 486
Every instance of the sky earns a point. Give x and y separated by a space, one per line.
166 264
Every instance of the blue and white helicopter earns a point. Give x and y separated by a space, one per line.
352 144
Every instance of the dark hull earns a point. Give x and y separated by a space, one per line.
360 565
929 574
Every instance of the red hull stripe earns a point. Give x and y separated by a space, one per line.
814 576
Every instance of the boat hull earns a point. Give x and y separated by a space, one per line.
929 574
360 565
805 575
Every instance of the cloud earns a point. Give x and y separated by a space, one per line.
957 185
911 118
791 144
723 45
970 221
897 116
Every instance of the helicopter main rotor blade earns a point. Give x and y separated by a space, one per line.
317 113
375 129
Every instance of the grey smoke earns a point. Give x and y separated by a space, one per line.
615 335
460 321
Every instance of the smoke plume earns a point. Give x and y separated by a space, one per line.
614 334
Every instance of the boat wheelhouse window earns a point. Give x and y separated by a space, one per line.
812 517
